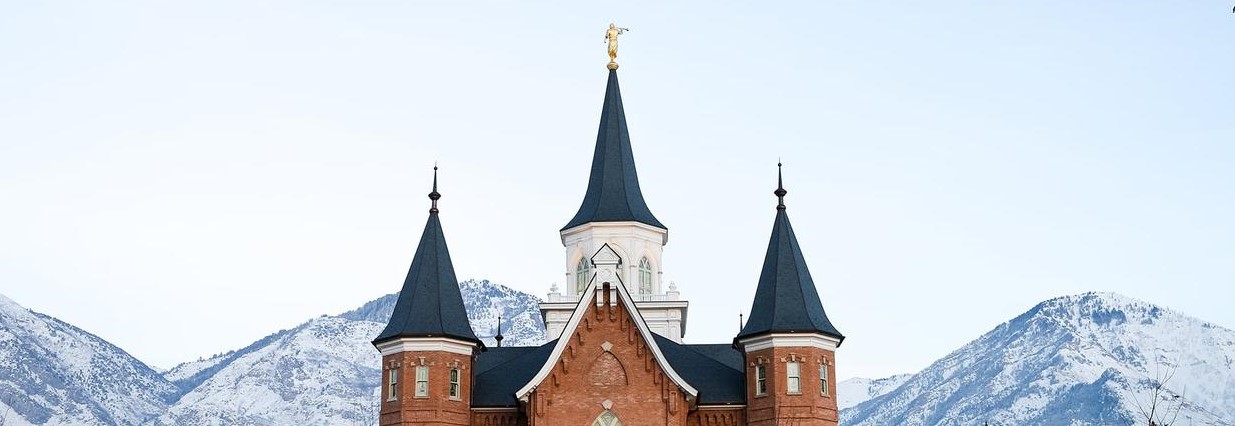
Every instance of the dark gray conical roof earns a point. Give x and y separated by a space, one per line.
786 300
430 304
613 193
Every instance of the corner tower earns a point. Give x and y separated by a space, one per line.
613 212
428 347
788 343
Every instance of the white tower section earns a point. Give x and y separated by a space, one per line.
639 247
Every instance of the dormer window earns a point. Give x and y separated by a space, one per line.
583 272
645 276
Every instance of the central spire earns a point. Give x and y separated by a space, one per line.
613 193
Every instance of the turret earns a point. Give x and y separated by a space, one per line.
788 343
428 347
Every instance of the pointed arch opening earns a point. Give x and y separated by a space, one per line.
645 276
583 272
606 370
607 418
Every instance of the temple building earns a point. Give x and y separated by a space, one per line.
615 354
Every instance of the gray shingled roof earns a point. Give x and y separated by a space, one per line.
709 368
613 193
786 300
500 372
430 304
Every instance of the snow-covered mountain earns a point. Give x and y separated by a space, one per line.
858 389
52 373
1090 359
325 371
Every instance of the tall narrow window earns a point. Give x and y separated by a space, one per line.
761 380
582 274
793 372
422 381
823 379
454 383
645 276
392 393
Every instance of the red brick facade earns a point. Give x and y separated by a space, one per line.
607 365
778 406
437 408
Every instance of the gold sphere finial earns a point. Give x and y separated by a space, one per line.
611 36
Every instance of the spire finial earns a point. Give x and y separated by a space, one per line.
434 195
780 188
499 337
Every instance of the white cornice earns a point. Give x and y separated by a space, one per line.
789 340
609 226
720 407
577 316
426 344
495 409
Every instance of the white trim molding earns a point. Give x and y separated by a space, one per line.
426 344
789 340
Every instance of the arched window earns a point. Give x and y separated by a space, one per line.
645 276
607 418
583 272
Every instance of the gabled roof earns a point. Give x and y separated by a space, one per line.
430 304
628 303
613 193
786 300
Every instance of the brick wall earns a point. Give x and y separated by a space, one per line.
438 408
607 366
715 417
498 418
779 407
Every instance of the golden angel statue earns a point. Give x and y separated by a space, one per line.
611 36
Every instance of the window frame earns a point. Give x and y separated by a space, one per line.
455 387
793 378
823 380
392 385
422 377
761 380
645 276
583 271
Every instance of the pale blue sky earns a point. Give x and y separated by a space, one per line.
183 178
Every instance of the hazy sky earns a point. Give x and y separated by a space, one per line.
182 178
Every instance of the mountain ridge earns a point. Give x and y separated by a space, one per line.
1081 360
1084 359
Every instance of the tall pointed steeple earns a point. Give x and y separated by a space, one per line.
786 300
430 304
613 193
